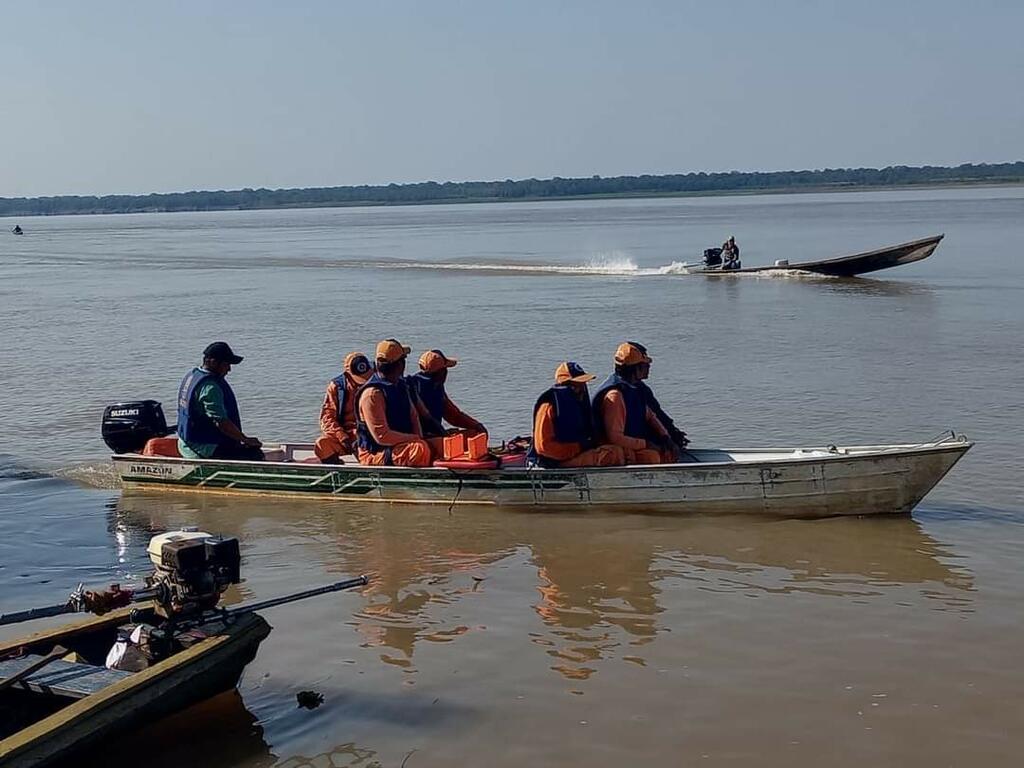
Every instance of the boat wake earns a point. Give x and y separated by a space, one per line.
11 469
92 475
615 265
612 265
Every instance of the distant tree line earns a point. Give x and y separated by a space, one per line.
508 190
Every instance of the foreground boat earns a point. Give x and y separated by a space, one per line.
808 482
167 644
847 266
73 702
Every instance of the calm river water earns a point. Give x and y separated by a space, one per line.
550 640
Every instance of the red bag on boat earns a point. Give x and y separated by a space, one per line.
509 460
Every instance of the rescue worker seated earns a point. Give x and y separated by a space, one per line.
338 413
676 435
387 426
622 416
433 404
209 426
563 424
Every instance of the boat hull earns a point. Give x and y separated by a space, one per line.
200 672
849 266
821 482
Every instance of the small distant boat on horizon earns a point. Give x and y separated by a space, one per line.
840 266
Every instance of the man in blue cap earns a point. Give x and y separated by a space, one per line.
209 426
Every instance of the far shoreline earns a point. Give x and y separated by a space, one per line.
789 190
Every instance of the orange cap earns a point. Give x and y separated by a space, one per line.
390 350
566 372
631 353
358 367
433 360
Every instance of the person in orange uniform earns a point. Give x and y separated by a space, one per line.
563 424
338 413
622 415
676 435
433 404
387 426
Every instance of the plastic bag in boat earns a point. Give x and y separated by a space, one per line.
131 651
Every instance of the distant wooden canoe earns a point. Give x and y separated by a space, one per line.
68 705
800 482
848 266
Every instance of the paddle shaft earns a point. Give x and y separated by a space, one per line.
35 613
359 581
146 594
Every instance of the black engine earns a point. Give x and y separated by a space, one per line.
712 257
127 426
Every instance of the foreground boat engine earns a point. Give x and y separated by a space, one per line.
127 427
193 569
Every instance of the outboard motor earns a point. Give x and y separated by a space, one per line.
712 257
127 426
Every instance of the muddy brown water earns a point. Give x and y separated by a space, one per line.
491 637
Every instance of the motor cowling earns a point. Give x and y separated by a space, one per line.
193 569
127 426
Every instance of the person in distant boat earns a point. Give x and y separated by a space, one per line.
730 254
563 424
18 230
433 404
338 413
676 435
388 431
209 426
622 415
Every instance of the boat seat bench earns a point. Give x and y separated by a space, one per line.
62 678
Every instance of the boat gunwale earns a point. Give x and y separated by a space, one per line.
58 633
815 454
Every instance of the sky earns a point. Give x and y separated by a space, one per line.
129 97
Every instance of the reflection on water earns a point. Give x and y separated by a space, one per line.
484 623
341 756
216 732
869 286
597 582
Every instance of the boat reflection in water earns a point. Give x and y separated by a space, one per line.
228 734
483 626
597 583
